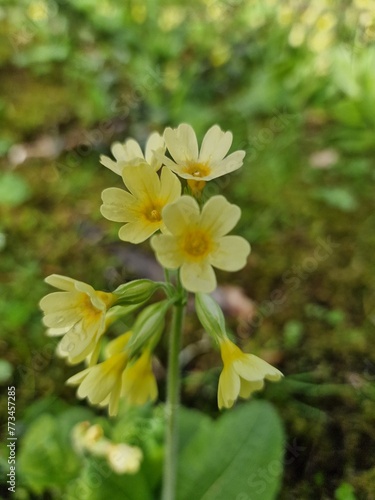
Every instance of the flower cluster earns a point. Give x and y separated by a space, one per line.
163 200
192 238
122 458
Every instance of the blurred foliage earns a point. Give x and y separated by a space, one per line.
293 80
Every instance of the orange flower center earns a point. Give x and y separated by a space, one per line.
197 244
197 170
153 213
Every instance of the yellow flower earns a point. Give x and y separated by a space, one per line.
124 459
208 163
141 209
101 383
242 374
130 153
198 241
78 313
138 382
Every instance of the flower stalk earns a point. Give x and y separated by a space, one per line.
173 399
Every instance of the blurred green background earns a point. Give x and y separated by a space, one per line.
294 82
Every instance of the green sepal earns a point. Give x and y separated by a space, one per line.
149 323
210 315
117 312
136 292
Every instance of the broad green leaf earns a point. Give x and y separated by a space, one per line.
97 482
46 458
238 456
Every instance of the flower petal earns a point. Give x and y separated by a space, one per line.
182 143
219 216
247 388
155 143
181 214
170 186
102 378
167 251
198 277
59 301
118 205
61 282
252 368
139 231
132 150
215 145
115 166
142 181
230 253
118 151
229 388
227 165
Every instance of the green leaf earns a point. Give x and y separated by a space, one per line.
238 456
98 481
46 458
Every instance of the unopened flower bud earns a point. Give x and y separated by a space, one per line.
135 292
210 315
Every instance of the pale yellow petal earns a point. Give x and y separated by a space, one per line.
132 150
219 216
247 388
198 277
170 164
78 377
115 166
84 288
170 186
137 232
57 301
61 282
57 332
155 146
215 145
229 164
102 379
182 143
142 181
118 151
252 368
114 399
138 381
81 339
117 345
229 388
118 205
180 215
167 251
230 254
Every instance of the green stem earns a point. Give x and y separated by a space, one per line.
173 401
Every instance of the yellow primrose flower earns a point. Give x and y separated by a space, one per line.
130 153
141 209
242 374
208 163
138 382
101 383
198 241
124 459
78 313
